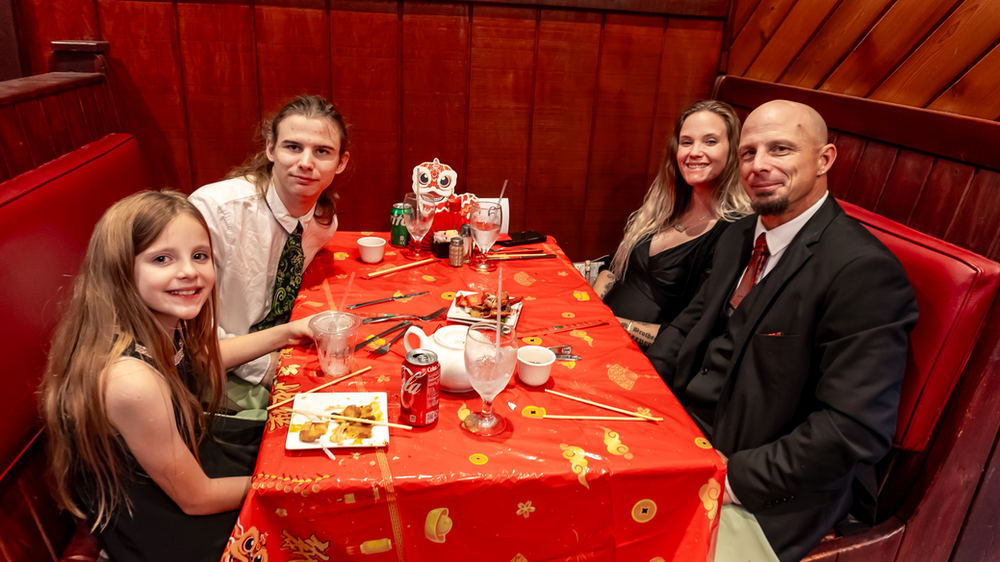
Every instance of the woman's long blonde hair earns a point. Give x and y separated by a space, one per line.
257 169
669 196
104 317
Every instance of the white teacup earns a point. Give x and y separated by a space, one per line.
534 363
372 248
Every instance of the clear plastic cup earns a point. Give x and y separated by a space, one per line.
335 333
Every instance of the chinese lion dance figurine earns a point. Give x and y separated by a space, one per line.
438 181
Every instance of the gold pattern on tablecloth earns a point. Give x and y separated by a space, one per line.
562 274
463 412
536 412
613 441
367 232
288 370
530 298
391 253
518 558
449 296
281 512
709 495
523 278
428 278
702 442
310 550
399 293
532 340
340 276
313 304
282 416
370 547
568 315
249 544
525 509
622 376
581 296
578 462
437 524
582 334
568 364
288 485
478 459
340 256
383 378
644 510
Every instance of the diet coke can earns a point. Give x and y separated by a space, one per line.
421 390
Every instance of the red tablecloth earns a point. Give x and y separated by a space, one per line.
544 490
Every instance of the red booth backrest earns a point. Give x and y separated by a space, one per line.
954 290
46 218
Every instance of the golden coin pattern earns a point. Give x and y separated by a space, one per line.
536 412
702 442
644 511
568 315
449 296
578 462
478 459
532 340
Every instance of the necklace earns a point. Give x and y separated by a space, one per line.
679 227
178 355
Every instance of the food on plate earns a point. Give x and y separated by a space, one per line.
484 305
311 431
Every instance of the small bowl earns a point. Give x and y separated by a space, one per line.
372 248
534 364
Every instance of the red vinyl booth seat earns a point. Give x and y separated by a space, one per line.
955 289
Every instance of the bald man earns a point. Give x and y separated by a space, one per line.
791 356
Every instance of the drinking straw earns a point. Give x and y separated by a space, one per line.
502 189
343 301
499 307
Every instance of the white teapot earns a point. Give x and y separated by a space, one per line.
449 344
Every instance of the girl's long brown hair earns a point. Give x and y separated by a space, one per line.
257 169
104 317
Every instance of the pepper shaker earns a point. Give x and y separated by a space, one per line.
456 252
466 233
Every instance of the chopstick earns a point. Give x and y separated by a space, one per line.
375 274
359 420
507 257
605 406
320 387
593 418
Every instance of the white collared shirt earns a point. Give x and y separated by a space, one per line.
778 240
248 235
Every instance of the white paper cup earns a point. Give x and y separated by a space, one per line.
372 248
534 363
335 333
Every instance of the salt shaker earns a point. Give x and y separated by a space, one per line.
466 234
456 252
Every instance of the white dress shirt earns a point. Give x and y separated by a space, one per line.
778 240
248 234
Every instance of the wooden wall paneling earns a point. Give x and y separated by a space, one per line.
871 175
977 540
76 121
619 150
977 218
106 102
146 74
36 132
293 51
22 539
56 121
14 141
756 33
901 29
564 97
946 184
908 178
49 20
962 39
36 487
688 63
365 54
500 88
220 85
849 152
795 31
848 23
740 11
95 120
435 86
975 93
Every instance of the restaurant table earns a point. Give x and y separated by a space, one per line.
543 490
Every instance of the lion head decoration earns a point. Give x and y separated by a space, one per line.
435 179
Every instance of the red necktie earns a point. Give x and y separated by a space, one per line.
757 260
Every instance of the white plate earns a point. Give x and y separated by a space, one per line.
461 314
333 402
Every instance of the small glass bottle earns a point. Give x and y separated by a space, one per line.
466 233
456 252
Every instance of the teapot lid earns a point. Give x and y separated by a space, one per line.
452 336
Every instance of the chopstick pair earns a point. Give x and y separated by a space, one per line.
633 416
509 257
320 387
347 418
375 274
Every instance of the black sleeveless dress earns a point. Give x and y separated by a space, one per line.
657 288
157 529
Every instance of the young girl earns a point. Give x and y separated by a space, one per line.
135 375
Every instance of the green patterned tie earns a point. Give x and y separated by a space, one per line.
287 281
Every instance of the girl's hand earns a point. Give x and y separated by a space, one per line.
298 332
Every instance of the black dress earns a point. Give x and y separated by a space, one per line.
656 288
157 529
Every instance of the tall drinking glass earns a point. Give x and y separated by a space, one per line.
485 220
418 217
490 367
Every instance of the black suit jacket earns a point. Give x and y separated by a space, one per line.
811 394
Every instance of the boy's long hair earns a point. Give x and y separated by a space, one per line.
257 169
669 195
104 317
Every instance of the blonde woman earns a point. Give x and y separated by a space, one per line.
669 242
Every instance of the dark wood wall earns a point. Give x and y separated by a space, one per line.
569 103
936 54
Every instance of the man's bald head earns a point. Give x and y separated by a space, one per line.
784 156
